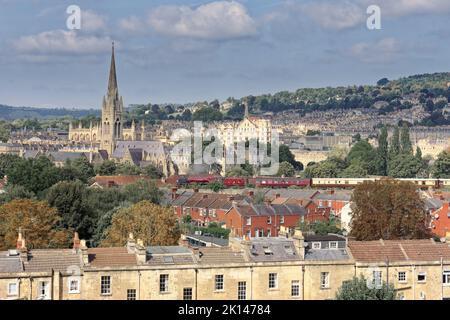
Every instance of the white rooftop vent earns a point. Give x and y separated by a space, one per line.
13 252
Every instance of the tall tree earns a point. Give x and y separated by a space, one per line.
382 150
395 143
405 141
388 209
441 167
39 223
154 224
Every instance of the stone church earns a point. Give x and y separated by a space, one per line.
111 140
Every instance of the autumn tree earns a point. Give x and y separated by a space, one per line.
39 223
154 224
388 209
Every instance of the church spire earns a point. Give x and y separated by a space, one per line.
112 84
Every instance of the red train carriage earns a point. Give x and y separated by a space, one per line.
275 182
235 181
203 179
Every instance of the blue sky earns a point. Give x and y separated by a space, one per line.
185 51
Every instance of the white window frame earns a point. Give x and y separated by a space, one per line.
163 283
44 286
242 290
324 280
402 279
69 285
273 281
377 278
422 274
334 243
219 283
16 292
269 220
281 219
316 245
446 278
248 221
104 284
295 288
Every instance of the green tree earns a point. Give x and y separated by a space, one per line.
152 171
127 169
83 169
69 199
286 169
207 114
382 151
405 142
285 155
358 289
142 190
106 168
388 209
7 161
355 170
394 148
441 167
363 155
404 165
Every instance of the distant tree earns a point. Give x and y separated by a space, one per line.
207 114
358 289
320 227
394 148
152 171
237 171
330 168
40 225
69 198
404 165
363 155
382 82
418 153
5 132
15 192
286 169
155 225
355 170
106 168
441 167
405 142
382 151
83 169
216 186
142 190
7 161
388 209
285 155
127 169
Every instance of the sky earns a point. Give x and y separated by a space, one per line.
176 51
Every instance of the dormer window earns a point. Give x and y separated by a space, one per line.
333 244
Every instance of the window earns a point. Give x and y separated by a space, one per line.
446 278
105 285
187 294
333 245
163 283
377 279
218 285
273 281
269 220
281 219
131 294
324 280
248 221
13 289
74 285
43 290
295 288
269 232
316 245
242 290
402 276
421 277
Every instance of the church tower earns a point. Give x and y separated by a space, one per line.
112 109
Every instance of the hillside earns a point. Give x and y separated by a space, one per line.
13 113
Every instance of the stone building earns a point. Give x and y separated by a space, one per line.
297 268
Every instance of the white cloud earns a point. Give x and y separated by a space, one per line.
337 16
91 21
215 20
62 42
133 24
384 50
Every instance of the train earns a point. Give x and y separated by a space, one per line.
281 182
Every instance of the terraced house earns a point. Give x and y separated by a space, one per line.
299 268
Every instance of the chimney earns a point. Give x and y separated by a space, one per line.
76 242
174 193
196 190
131 243
299 242
205 196
277 196
84 252
21 247
141 252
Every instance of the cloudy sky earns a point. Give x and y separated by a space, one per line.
184 51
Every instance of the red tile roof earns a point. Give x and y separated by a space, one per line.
111 257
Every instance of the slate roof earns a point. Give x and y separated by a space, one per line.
328 237
290 193
216 255
151 147
327 254
336 196
44 260
9 264
273 249
111 257
209 239
182 198
268 210
167 255
61 156
399 250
